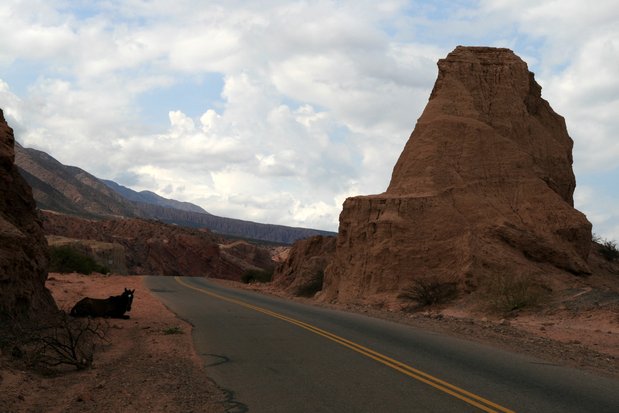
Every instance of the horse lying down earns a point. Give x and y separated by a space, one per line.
115 306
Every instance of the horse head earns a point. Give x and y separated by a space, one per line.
128 297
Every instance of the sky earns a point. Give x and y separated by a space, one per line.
276 111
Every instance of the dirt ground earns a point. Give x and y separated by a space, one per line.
147 365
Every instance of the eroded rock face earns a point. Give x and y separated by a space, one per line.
152 247
23 249
302 273
484 186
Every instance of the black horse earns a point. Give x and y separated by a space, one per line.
114 306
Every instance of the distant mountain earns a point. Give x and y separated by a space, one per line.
231 226
71 190
149 197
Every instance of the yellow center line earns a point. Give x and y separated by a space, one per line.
466 396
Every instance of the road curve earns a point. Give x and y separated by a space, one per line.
276 356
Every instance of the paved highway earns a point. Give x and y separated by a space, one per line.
275 355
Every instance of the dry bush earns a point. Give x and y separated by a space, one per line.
430 291
61 343
609 250
506 293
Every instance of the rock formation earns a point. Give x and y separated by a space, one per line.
483 187
302 273
23 249
156 248
110 255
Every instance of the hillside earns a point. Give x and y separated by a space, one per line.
71 190
148 197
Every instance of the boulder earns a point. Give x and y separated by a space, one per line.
484 186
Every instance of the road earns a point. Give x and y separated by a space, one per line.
276 355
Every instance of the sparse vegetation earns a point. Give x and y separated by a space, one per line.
173 330
261 276
65 259
63 342
506 293
609 250
430 291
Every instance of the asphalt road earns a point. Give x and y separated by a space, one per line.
275 355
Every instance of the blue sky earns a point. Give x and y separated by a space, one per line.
276 111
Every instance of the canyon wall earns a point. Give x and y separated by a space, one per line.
23 248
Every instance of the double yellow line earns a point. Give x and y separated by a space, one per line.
468 397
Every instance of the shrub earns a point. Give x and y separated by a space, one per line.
63 342
261 276
509 293
430 291
609 250
68 259
172 330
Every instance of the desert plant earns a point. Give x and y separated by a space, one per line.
430 291
63 342
608 249
505 293
68 259
261 276
172 330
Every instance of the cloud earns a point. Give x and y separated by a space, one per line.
317 99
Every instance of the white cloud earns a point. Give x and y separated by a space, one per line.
317 100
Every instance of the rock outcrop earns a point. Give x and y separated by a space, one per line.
483 187
302 273
110 255
23 249
156 248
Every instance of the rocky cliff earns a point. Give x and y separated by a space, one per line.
23 249
302 273
483 187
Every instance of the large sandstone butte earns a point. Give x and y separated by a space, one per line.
483 188
23 249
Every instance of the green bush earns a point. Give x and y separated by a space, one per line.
65 259
261 276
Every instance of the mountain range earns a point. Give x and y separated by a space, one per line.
73 191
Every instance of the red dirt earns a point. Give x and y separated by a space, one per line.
141 369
